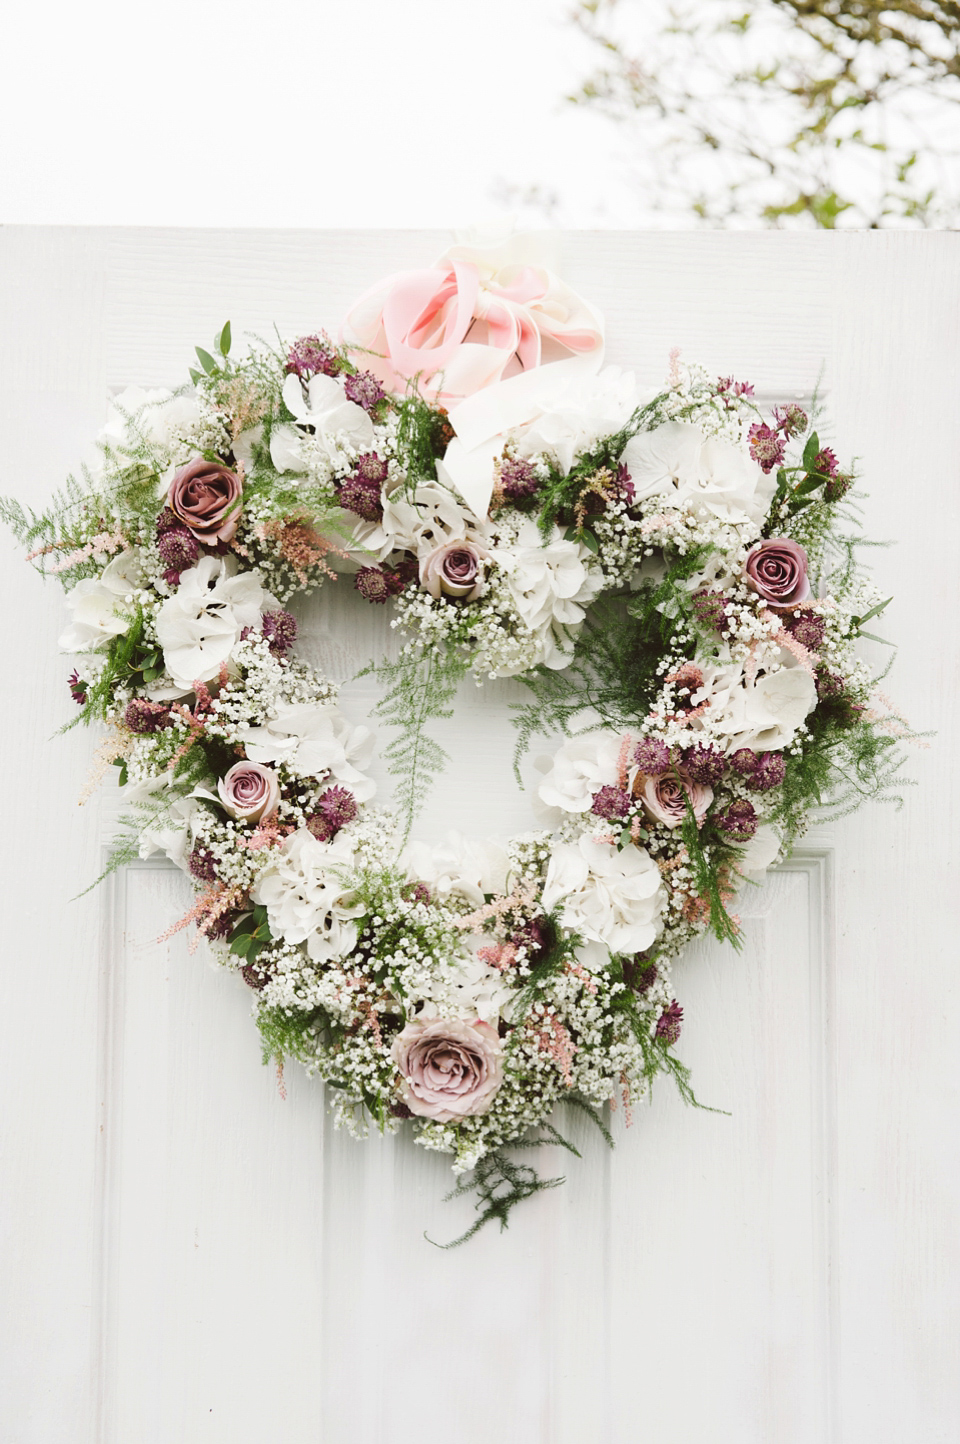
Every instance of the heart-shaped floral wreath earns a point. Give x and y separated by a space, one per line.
671 574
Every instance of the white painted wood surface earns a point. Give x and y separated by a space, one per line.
187 1256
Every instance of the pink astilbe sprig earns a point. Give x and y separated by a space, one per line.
300 545
498 955
579 971
552 1038
105 542
196 720
209 907
523 898
109 750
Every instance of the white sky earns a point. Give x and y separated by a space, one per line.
302 113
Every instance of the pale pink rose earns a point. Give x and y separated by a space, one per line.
455 568
451 1069
665 798
205 496
477 317
249 791
777 571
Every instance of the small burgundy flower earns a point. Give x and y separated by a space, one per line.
625 486
313 356
637 976
280 629
829 685
766 447
611 803
837 487
777 571
374 584
739 820
254 977
704 764
78 689
670 1022
809 628
167 521
727 384
652 756
172 578
533 937
369 467
202 865
144 717
825 462
710 609
791 419
362 497
744 761
399 1110
518 479
769 772
205 497
178 548
364 390
339 806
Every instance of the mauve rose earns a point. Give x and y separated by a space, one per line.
206 498
455 569
451 1069
665 798
249 791
777 572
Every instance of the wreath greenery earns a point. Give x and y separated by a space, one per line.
674 577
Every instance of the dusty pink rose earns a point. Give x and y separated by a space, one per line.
777 572
455 569
206 498
451 1069
665 798
249 791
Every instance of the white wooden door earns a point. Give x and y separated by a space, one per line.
190 1256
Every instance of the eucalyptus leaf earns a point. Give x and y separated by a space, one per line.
206 361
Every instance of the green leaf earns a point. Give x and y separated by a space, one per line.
873 612
195 375
121 762
585 536
224 340
150 674
625 836
810 483
810 450
241 945
206 361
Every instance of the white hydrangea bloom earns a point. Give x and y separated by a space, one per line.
311 739
307 895
201 623
578 412
321 404
576 771
98 604
551 585
612 896
677 462
458 866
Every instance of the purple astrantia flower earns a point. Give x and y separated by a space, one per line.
143 717
363 389
825 462
377 584
254 977
202 865
611 803
625 487
710 608
727 386
837 487
518 479
454 569
280 629
533 937
638 974
769 772
829 684
178 548
167 521
766 447
809 628
78 689
339 806
370 467
704 764
652 756
744 761
791 419
739 820
361 496
777 571
313 356
670 1022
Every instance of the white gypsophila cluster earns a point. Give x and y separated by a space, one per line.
693 396
260 684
